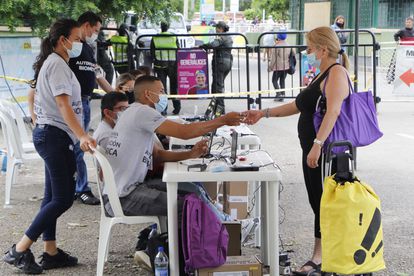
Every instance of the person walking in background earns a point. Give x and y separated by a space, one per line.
323 51
84 66
58 108
406 36
339 24
222 59
279 64
165 62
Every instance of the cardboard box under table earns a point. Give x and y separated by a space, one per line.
235 266
236 199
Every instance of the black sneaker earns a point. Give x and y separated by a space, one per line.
61 259
143 239
88 198
22 260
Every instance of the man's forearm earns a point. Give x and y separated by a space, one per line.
104 84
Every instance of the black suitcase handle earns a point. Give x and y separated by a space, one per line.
344 143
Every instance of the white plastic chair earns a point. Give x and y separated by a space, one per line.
12 109
107 223
15 153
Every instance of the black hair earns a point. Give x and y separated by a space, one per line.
164 26
143 80
222 25
61 27
122 30
89 17
110 100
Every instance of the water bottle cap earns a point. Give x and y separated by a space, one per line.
160 249
154 226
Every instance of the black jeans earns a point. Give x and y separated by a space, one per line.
169 69
278 80
221 68
56 149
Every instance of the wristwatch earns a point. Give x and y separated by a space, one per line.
319 142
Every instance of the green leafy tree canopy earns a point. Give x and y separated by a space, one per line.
39 14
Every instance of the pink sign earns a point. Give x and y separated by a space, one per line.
192 70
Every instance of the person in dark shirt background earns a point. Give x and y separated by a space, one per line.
406 36
84 66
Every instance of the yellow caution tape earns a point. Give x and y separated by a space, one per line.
198 96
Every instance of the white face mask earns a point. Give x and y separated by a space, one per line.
91 39
76 49
118 115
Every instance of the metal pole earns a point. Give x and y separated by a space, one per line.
356 45
185 10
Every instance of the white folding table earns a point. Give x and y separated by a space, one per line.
269 176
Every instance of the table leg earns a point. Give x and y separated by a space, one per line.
264 223
172 214
273 227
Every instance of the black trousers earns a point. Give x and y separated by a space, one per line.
278 80
314 184
169 69
221 68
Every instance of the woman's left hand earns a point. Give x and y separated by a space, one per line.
313 156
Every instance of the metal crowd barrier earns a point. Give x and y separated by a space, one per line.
249 78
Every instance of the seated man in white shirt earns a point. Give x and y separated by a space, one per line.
131 149
112 106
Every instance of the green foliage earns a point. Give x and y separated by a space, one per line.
277 8
39 14
250 14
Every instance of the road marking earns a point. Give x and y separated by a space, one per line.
406 135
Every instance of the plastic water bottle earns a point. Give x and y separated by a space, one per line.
153 232
253 106
161 263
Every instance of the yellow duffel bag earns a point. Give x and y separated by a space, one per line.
352 240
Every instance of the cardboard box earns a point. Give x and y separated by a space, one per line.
235 266
234 230
236 199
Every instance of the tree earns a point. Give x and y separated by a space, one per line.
277 8
39 14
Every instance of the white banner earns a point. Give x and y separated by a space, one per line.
404 71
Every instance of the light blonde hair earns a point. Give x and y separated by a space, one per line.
325 36
123 79
340 17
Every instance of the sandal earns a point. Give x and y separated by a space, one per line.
315 268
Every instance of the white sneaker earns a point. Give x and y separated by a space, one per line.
143 260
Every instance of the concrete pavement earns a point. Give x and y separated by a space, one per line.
387 165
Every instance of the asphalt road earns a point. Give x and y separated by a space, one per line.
387 165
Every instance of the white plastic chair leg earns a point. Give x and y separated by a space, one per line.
10 174
104 236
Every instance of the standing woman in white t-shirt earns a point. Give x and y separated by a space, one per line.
58 108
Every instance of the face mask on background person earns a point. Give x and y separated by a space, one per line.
118 116
76 49
340 25
91 39
162 103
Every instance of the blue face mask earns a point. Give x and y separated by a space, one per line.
162 103
313 61
76 49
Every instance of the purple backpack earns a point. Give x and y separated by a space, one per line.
204 237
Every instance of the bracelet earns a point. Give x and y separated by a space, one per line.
267 113
318 142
